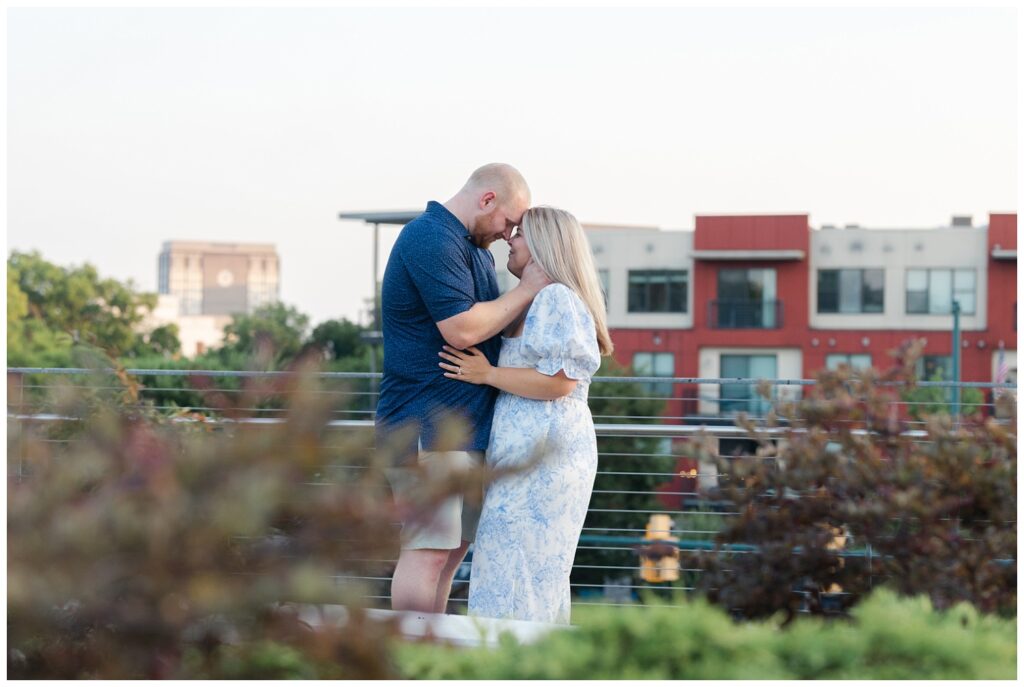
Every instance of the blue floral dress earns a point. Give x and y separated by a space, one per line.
531 521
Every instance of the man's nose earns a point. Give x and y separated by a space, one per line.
507 234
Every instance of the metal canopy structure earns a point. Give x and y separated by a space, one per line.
377 218
383 217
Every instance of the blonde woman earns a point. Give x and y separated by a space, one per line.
531 521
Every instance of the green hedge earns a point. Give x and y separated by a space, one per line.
887 638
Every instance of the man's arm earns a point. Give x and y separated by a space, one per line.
485 319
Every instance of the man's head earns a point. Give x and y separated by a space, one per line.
492 202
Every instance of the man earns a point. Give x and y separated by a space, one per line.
440 287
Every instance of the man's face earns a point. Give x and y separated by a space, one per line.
499 223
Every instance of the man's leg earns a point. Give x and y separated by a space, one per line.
423 577
414 586
444 582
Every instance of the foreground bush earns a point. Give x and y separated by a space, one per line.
143 547
887 638
932 515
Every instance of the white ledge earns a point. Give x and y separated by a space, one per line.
748 254
1004 253
461 630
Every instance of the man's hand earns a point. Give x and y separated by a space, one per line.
534 278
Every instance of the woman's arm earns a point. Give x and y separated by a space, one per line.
473 367
527 382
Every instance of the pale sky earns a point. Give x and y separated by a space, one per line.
128 127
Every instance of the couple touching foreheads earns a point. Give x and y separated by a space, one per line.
516 367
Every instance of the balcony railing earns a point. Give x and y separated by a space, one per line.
634 453
742 314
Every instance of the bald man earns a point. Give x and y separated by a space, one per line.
440 287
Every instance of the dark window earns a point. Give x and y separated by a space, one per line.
935 368
828 291
756 285
658 290
851 291
746 299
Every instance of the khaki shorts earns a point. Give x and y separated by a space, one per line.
452 521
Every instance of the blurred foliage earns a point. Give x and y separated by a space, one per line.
52 309
136 541
937 513
887 638
147 545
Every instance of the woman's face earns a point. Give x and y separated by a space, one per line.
518 252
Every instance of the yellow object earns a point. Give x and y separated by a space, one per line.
663 565
838 543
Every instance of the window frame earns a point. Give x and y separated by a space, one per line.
928 290
659 389
683 283
861 291
849 361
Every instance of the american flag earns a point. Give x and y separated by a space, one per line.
1002 369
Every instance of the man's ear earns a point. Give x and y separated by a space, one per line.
487 200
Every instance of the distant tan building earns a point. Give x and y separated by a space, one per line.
197 333
219 278
201 284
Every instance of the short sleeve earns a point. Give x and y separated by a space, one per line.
443 276
559 334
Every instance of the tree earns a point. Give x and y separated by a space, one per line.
52 309
338 339
164 340
271 335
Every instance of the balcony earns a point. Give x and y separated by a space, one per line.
744 314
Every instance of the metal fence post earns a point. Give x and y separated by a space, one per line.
956 363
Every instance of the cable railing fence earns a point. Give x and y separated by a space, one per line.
643 470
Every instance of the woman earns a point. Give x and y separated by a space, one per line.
531 520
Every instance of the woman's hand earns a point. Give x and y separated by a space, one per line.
466 366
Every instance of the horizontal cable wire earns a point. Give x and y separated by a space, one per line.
619 540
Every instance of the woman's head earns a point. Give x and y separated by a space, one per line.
555 240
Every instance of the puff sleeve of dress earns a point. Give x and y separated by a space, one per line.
559 334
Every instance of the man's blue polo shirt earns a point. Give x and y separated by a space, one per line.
434 272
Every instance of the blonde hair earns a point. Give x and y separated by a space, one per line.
558 244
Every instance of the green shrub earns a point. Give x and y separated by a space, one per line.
886 638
